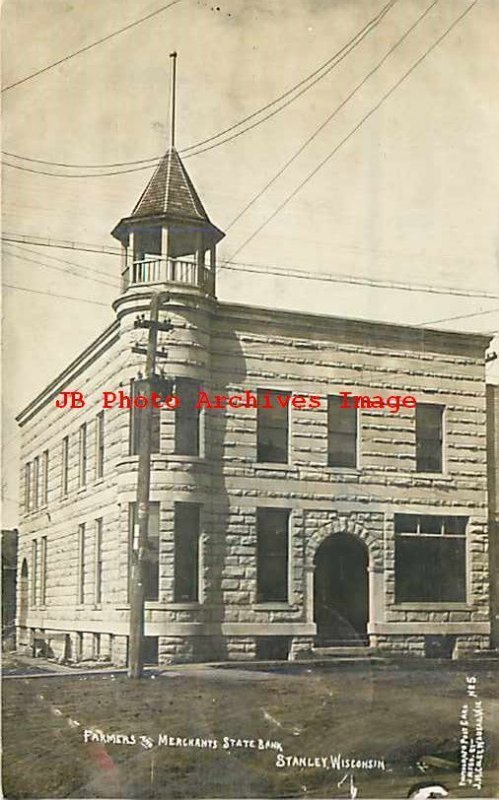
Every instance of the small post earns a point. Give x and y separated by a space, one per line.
173 89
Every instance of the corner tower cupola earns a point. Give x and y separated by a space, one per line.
168 238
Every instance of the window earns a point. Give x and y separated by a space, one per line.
430 558
137 419
80 589
272 426
65 466
186 573
96 645
99 445
150 564
429 437
98 561
82 468
43 571
34 570
272 555
187 418
27 487
45 478
36 481
341 434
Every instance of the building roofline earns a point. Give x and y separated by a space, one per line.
309 319
101 343
449 341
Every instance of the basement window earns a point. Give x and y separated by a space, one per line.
186 574
341 433
430 558
272 555
429 437
272 426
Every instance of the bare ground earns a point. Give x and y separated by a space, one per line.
402 715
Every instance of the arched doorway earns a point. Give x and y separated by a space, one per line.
23 603
341 590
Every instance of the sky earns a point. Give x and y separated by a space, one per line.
410 195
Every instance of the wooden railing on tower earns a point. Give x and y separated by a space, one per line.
168 270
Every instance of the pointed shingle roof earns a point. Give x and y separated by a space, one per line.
170 192
169 196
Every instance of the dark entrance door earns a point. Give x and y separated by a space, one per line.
341 591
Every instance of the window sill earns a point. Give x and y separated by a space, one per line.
278 465
273 606
448 605
349 470
158 605
441 476
184 457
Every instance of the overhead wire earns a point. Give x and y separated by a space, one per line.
330 117
25 249
279 271
61 269
53 294
90 46
354 130
325 68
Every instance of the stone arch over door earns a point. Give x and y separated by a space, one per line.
367 531
23 602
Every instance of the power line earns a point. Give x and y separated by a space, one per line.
62 244
54 294
330 117
90 46
111 250
375 283
459 316
354 130
61 269
324 68
103 273
266 269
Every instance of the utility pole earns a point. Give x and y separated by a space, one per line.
139 540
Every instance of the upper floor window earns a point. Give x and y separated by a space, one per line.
81 565
27 487
272 426
272 555
429 437
430 558
187 418
98 561
43 571
44 493
151 561
65 466
34 571
186 569
82 467
137 420
341 433
36 481
99 445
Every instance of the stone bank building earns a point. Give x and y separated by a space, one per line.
272 531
